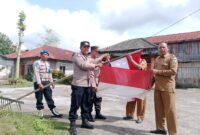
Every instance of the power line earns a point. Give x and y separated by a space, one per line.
180 20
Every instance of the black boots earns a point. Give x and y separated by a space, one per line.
72 129
90 118
55 113
100 116
86 124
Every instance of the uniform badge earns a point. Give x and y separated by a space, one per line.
37 65
174 61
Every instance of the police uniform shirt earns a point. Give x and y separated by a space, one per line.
42 71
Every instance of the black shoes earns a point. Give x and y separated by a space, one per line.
86 124
90 118
127 118
162 132
72 128
100 116
55 113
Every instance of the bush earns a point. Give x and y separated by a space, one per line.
14 81
67 81
29 77
57 74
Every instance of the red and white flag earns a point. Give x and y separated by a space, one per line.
124 62
123 80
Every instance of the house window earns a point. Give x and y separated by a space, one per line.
62 68
30 69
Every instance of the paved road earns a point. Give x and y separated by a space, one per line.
188 108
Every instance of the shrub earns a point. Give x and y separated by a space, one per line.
14 81
57 74
29 77
67 81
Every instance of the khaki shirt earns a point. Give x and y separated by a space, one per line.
167 69
42 71
94 74
81 67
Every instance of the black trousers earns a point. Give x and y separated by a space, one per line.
96 101
47 92
80 97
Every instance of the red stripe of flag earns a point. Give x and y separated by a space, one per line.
126 77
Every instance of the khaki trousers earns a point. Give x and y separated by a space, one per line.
141 105
165 110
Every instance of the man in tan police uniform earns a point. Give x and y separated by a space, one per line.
165 70
94 80
42 77
80 96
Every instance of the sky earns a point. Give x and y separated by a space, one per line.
102 22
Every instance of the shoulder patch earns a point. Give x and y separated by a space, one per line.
37 64
174 60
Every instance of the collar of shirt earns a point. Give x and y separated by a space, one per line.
164 56
43 61
83 56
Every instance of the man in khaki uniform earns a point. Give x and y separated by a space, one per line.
80 87
141 104
165 70
94 80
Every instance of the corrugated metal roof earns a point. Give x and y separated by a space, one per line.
175 38
132 44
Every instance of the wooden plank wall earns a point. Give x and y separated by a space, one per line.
189 74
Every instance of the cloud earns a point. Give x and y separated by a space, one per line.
112 22
135 15
72 27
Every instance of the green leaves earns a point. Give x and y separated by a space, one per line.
6 45
20 25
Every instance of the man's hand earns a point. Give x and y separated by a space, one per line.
105 56
41 87
99 65
94 89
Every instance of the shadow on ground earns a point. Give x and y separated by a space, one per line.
121 130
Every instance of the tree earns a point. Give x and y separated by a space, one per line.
21 27
50 37
6 45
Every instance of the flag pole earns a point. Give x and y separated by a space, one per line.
126 54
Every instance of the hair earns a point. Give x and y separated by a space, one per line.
94 48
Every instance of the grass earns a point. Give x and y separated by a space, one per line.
26 124
18 85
